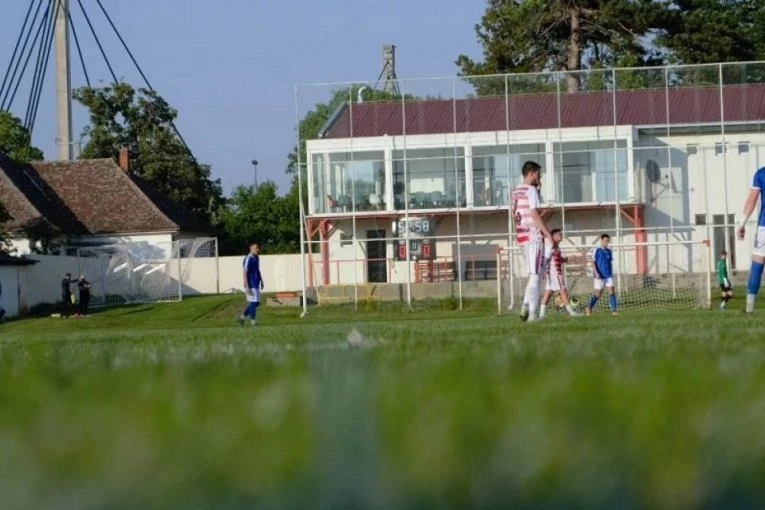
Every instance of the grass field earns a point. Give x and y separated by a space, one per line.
174 406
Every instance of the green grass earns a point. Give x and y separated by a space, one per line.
173 406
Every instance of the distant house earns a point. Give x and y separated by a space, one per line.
89 203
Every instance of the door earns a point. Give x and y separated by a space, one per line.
377 267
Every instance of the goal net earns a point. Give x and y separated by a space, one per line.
145 272
648 276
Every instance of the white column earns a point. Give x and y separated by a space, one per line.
389 196
469 176
63 82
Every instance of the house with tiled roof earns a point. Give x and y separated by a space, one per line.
666 154
87 203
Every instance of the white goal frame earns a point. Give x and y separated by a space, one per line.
663 268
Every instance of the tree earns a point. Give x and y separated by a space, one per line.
15 139
142 122
526 36
710 31
260 215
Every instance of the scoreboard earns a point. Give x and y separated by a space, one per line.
421 231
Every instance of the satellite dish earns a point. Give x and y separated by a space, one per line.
652 171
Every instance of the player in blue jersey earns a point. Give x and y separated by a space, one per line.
253 284
758 251
602 274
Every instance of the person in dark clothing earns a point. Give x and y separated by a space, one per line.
66 294
83 286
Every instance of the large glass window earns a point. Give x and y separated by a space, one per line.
321 199
436 178
497 170
591 171
356 181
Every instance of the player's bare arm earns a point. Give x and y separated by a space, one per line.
246 283
540 224
749 206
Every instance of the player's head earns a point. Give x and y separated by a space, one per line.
254 248
605 240
531 173
723 254
556 235
68 276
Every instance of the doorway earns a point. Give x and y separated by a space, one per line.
377 266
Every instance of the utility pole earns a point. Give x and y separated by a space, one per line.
63 82
255 170
389 69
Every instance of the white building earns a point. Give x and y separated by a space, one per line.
89 203
672 161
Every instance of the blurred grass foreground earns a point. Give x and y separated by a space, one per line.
174 406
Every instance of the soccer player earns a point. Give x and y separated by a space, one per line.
556 275
758 252
530 231
66 294
722 278
602 274
253 284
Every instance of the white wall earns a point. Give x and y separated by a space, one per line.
281 273
14 299
43 282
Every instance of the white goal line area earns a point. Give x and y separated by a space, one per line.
658 275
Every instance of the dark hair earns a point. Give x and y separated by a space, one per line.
604 236
68 274
723 252
529 167
555 231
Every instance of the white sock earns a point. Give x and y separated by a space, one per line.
542 311
532 293
750 302
570 309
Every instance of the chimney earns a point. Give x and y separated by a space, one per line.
124 161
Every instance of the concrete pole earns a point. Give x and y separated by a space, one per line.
63 82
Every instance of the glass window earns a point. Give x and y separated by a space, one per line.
322 202
436 178
591 171
357 181
497 170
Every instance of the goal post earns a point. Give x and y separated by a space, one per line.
650 276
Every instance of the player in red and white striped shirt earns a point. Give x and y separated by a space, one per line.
556 274
530 232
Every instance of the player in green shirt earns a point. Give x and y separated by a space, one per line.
722 278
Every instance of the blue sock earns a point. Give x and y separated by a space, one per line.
254 310
612 302
593 302
250 311
755 277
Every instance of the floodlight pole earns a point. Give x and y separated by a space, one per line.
300 208
63 82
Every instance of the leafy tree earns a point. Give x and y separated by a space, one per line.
15 139
260 215
710 31
526 36
141 121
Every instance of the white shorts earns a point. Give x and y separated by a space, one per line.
759 242
534 253
556 283
598 284
254 297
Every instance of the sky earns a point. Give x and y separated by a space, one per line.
231 67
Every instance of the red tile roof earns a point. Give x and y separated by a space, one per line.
689 105
89 197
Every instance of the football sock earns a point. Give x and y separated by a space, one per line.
570 309
543 311
593 302
755 277
532 294
612 302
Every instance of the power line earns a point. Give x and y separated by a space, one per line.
98 41
18 42
38 75
79 50
33 116
24 68
21 56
